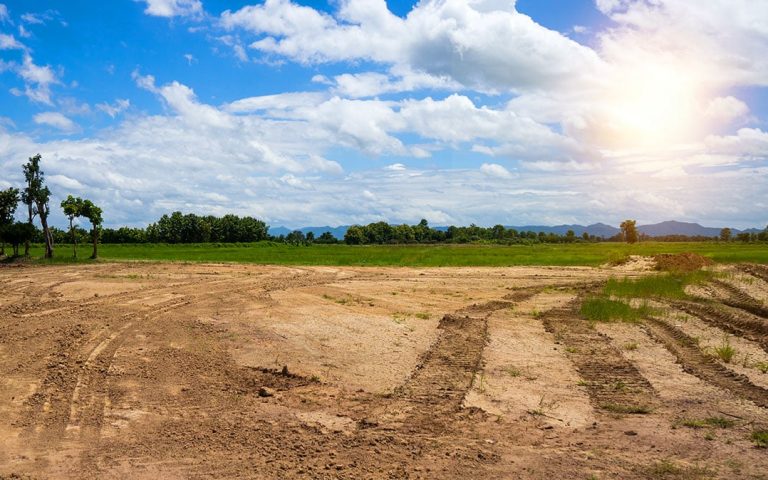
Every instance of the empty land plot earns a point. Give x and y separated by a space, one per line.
236 371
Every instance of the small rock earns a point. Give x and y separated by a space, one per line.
631 433
266 392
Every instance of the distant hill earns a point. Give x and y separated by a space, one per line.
602 230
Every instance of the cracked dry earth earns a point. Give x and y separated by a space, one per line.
148 371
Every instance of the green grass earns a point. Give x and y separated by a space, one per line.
760 438
602 309
725 351
412 255
669 285
717 422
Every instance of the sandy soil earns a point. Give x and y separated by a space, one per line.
144 371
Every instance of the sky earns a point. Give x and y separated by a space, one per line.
354 111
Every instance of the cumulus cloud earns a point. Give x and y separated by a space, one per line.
56 120
5 17
480 44
173 8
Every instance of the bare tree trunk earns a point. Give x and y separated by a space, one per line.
74 239
46 232
26 242
95 235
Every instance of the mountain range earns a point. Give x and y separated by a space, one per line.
670 227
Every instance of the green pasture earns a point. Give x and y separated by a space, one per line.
269 253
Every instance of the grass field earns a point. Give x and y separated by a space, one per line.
413 255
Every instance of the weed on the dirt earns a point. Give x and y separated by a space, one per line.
669 469
670 285
716 422
725 351
760 438
600 309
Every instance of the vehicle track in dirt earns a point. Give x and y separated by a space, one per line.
757 271
72 396
704 366
737 298
753 329
613 382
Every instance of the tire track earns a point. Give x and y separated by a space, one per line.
73 395
752 329
612 381
703 366
446 372
737 298
757 271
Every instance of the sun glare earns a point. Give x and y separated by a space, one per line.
652 106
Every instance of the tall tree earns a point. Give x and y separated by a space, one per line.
629 231
36 196
725 234
93 213
9 200
73 207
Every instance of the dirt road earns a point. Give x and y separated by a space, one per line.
137 370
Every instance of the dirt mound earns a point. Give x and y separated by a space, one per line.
680 262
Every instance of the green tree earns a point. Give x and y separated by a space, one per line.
73 207
9 200
18 233
725 234
629 231
93 214
36 196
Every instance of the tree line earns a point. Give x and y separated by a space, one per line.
36 196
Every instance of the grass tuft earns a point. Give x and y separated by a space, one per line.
600 309
725 352
670 285
760 438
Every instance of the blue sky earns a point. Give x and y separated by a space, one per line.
352 111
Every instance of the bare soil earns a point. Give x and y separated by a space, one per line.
145 371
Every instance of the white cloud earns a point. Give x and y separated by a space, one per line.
8 42
113 110
190 58
724 110
468 42
38 80
56 120
173 8
495 170
4 15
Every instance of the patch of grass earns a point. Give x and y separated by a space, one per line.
716 422
423 315
627 409
760 438
601 309
630 346
668 469
725 351
762 366
670 285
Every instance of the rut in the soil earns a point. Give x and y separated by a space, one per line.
751 328
447 370
757 271
612 381
737 298
703 366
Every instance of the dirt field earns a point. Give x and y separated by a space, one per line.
148 371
